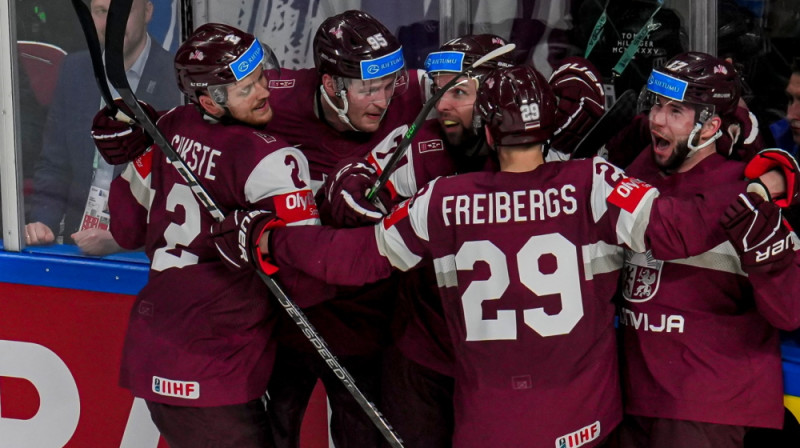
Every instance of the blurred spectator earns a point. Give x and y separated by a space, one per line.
787 130
71 181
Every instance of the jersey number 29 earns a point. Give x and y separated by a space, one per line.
565 281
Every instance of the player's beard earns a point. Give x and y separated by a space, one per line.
675 160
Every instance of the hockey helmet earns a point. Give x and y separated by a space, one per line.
217 55
461 52
518 106
701 79
354 44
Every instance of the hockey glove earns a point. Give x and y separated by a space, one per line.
581 102
346 190
237 236
776 158
757 230
121 141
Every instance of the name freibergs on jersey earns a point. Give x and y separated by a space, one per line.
515 206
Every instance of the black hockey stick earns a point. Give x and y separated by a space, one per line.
187 19
96 53
423 114
615 119
117 18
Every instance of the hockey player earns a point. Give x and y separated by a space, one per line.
527 261
358 92
417 379
701 359
199 347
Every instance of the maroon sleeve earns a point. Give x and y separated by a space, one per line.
681 228
130 218
347 257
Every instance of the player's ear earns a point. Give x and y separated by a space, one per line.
210 106
711 126
329 84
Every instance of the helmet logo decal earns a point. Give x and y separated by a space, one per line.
197 54
232 38
382 66
248 61
445 61
667 86
720 69
336 32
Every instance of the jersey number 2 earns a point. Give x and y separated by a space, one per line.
183 234
564 280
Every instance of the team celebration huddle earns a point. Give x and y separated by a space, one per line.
445 252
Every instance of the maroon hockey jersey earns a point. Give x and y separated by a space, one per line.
356 321
700 338
527 264
199 334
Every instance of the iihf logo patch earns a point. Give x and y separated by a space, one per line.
281 83
178 389
430 146
641 276
580 437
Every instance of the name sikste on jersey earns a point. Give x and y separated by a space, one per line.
275 171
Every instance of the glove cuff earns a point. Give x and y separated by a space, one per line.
264 261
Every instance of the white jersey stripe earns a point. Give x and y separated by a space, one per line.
392 246
601 258
446 275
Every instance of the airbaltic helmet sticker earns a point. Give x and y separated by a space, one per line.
667 86
445 61
248 61
382 66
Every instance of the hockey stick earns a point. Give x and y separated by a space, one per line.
616 118
117 18
187 19
96 54
423 114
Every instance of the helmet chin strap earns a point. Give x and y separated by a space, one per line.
692 148
342 113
